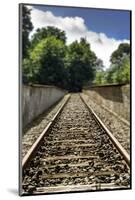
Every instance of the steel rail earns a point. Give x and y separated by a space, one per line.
31 152
118 146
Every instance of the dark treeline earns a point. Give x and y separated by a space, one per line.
47 59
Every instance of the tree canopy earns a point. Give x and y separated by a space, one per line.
123 49
42 33
46 62
27 27
80 63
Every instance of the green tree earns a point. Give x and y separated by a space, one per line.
125 72
27 27
80 64
124 48
100 77
111 74
42 33
122 74
119 71
46 63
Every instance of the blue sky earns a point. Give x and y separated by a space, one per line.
114 23
104 29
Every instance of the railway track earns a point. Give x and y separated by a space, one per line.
75 152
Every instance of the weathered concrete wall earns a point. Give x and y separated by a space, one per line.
114 97
36 99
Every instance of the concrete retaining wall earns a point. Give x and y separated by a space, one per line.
36 99
114 97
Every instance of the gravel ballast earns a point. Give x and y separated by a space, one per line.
116 125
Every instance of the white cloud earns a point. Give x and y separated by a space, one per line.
75 28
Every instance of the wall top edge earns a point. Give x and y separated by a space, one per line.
42 86
107 85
